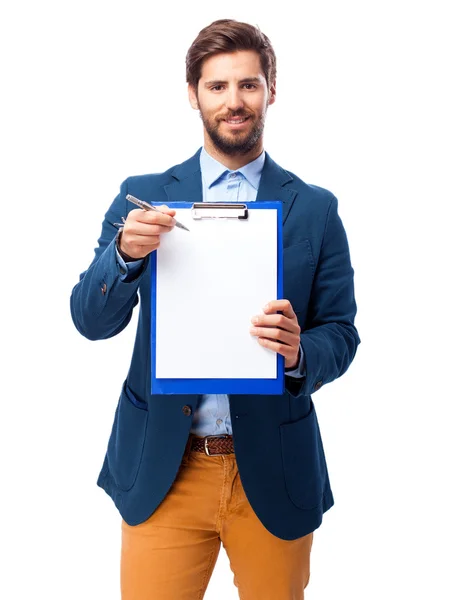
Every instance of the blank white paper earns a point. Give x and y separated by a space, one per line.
210 282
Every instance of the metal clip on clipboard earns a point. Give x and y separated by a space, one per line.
219 210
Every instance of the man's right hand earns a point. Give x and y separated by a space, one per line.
142 230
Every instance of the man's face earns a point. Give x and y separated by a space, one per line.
233 97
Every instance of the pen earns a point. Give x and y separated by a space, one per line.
146 206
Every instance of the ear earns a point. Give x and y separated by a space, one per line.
193 97
272 93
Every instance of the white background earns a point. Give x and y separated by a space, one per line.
372 104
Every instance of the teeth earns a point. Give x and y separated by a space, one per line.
236 120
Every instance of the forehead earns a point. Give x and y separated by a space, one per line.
232 66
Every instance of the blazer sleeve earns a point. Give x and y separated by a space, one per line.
330 340
102 302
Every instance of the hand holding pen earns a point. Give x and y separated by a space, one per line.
146 206
140 232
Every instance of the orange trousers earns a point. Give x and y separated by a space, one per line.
172 554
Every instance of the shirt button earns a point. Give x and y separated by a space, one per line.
318 385
219 421
232 175
187 410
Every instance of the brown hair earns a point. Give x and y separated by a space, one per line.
228 35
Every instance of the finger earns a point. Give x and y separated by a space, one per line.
146 229
287 351
283 305
277 320
141 241
276 335
152 217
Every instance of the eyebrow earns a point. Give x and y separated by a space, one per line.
220 82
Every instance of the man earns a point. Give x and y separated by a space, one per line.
262 487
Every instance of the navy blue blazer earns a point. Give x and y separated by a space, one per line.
277 440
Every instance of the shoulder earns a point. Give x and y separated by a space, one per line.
151 179
305 192
163 178
311 192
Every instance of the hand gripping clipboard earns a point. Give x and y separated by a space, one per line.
206 285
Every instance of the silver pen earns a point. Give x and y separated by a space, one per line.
146 206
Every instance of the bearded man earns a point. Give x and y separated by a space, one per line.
189 472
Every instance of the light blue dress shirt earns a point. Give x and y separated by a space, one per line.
219 184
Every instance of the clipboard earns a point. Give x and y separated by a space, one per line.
206 285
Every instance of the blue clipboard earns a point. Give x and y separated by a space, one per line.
273 386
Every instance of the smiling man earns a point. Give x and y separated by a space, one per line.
191 472
232 96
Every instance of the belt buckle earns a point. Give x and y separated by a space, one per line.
206 449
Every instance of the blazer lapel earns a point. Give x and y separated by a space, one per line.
271 187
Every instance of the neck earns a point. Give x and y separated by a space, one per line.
232 162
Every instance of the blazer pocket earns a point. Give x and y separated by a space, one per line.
126 443
303 461
298 272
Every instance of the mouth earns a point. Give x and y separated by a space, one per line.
236 122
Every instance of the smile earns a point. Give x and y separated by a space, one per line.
236 121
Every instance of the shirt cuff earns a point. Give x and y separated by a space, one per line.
127 269
300 370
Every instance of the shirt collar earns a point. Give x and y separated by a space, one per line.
212 169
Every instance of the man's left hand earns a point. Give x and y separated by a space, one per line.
279 332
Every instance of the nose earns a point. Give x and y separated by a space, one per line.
233 100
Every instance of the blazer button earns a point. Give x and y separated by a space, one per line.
318 385
104 287
187 410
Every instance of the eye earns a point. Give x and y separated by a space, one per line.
249 86
216 88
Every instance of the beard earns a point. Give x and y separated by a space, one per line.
238 142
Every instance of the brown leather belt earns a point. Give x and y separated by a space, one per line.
213 445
